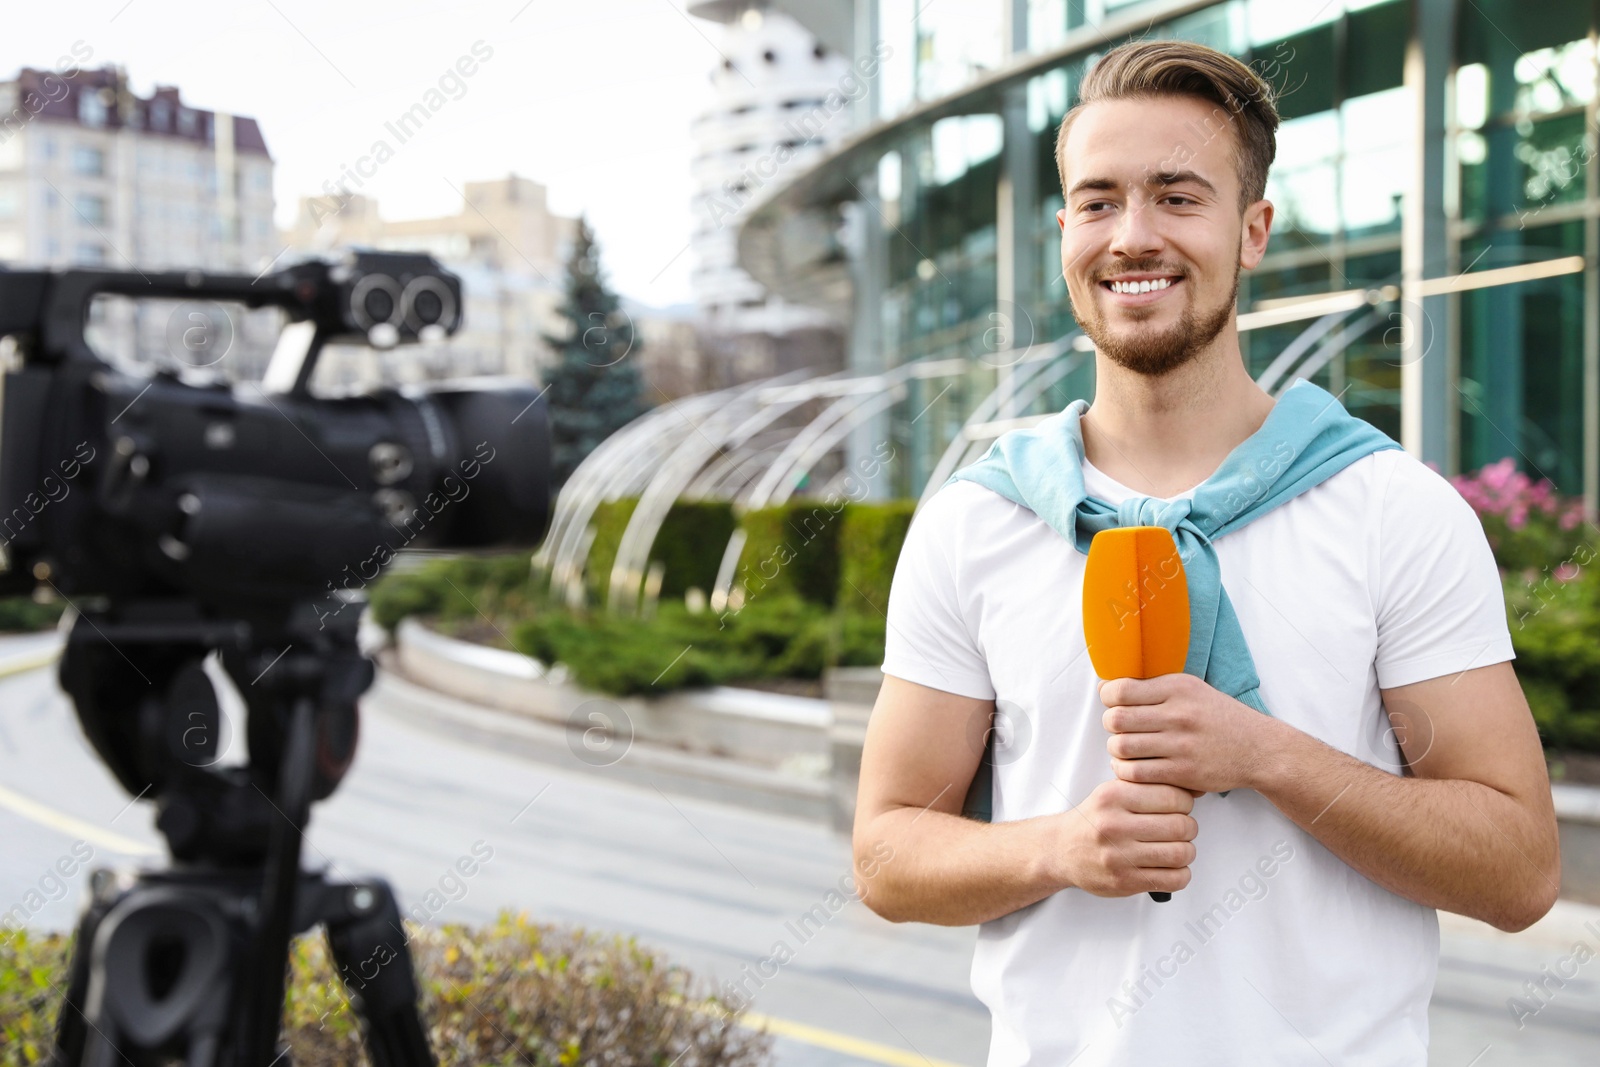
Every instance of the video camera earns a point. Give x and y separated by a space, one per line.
182 520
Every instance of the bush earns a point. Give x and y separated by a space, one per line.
689 545
693 537
777 637
20 614
610 520
869 547
458 588
512 993
792 548
1529 526
1553 628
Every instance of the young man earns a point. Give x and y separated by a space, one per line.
1397 769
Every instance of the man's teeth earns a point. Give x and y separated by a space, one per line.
1140 287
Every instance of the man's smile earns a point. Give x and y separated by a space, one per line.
1134 290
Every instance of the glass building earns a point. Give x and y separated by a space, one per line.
1433 253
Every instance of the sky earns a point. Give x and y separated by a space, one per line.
592 99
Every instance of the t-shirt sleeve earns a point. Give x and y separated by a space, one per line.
928 640
1439 602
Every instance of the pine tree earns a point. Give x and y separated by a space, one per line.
594 386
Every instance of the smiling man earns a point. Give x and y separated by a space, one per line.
1348 748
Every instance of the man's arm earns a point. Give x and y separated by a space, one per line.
930 864
1469 828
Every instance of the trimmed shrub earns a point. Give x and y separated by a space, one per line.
512 993
869 547
693 537
609 522
792 548
20 614
778 637
458 588
689 545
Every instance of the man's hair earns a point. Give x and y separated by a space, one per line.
1151 69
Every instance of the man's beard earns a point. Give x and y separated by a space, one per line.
1151 353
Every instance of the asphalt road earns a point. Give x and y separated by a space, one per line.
712 886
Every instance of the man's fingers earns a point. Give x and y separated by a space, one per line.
1164 827
1158 799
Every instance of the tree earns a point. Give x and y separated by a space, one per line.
594 386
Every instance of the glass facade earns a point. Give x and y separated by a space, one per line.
964 204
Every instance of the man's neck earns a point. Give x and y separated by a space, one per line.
1163 436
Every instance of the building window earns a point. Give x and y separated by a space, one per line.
89 252
160 115
90 162
92 209
8 203
186 120
91 109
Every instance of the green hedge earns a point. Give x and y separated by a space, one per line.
20 614
771 637
609 521
513 993
819 604
689 545
792 548
457 588
693 538
870 541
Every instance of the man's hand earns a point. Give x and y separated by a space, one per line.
1180 730
1126 839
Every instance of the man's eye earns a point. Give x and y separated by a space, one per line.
1090 207
1179 199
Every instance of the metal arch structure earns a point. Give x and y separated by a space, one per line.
730 426
1043 368
857 400
619 466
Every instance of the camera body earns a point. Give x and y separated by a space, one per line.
124 487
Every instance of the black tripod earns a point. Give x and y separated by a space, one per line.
190 962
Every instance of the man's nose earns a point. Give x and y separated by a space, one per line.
1136 235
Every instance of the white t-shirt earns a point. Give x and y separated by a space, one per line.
1277 952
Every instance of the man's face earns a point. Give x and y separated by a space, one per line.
1151 236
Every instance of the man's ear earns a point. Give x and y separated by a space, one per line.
1061 218
1253 236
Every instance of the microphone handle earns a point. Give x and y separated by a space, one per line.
1160 898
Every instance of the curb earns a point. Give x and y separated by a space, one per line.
640 763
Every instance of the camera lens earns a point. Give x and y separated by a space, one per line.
429 308
379 305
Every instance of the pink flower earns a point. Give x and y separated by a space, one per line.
1497 475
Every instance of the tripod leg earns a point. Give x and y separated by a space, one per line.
264 1006
369 946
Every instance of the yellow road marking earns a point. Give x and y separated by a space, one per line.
44 815
871 1051
28 662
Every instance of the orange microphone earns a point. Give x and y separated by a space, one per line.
1136 607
